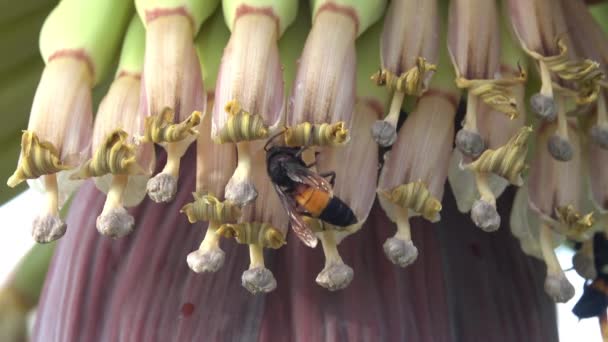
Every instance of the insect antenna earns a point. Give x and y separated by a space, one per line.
271 139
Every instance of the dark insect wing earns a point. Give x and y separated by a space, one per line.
303 175
592 303
297 224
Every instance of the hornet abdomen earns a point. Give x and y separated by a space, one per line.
313 200
338 213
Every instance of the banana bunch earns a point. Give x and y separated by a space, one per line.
229 78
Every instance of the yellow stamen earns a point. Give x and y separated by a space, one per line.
212 238
256 256
470 119
115 193
330 248
481 180
404 230
51 194
562 121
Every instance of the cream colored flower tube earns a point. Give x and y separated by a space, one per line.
120 164
214 164
555 194
409 52
249 89
173 94
355 167
77 47
415 170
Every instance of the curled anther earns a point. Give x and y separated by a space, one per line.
412 82
207 207
507 161
160 128
37 159
115 156
415 196
325 134
495 93
585 73
576 225
253 233
241 125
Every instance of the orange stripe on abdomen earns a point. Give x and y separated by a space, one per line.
313 200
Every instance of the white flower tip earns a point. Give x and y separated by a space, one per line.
47 228
335 276
209 260
560 148
544 106
599 135
258 280
558 288
485 216
400 252
469 143
115 223
240 192
162 187
384 133
583 265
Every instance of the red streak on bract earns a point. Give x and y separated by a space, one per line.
374 104
246 9
156 13
135 75
79 54
187 309
447 95
346 10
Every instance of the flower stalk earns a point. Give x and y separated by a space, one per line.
120 165
77 57
214 164
539 26
555 196
363 153
324 91
249 90
409 52
173 91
